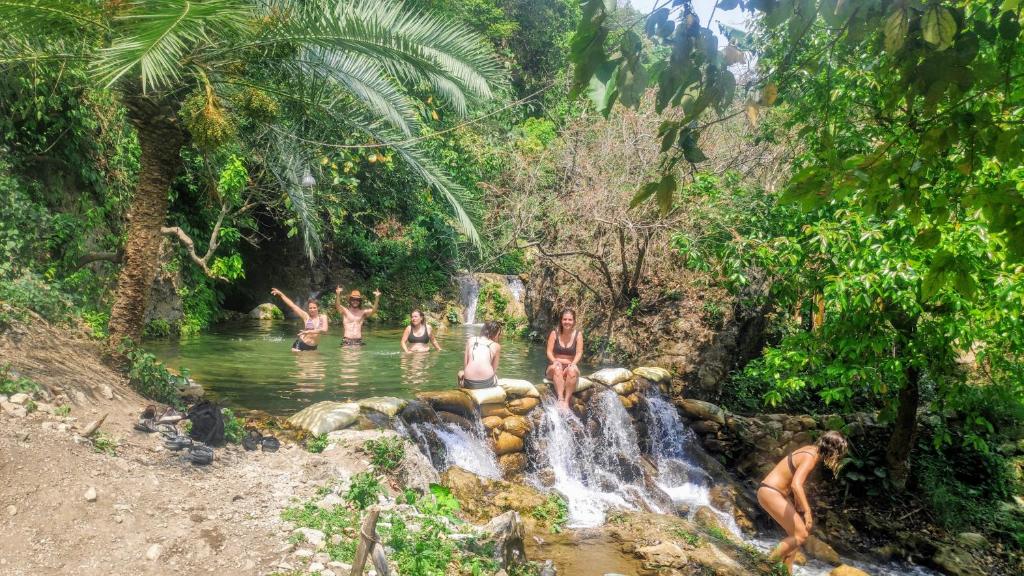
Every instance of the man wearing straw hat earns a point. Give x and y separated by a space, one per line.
352 317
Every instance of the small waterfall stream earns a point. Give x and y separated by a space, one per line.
469 290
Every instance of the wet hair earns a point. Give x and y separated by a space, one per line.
832 447
491 329
562 315
423 319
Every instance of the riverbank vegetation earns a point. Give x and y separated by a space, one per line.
820 214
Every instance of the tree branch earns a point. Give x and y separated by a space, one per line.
190 245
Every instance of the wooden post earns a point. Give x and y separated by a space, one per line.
370 546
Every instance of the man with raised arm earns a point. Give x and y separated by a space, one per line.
354 314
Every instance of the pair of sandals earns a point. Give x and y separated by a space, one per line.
254 440
196 452
165 423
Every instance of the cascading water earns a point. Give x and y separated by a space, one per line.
515 287
450 445
469 290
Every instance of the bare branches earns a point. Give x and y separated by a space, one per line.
190 245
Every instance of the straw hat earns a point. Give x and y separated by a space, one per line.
355 295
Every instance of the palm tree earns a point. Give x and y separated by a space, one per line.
355 62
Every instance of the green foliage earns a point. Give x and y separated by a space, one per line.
234 427
29 292
713 313
317 444
364 490
104 444
337 520
13 383
386 453
689 538
157 328
150 377
554 512
63 410
493 304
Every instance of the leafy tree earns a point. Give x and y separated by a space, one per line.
184 70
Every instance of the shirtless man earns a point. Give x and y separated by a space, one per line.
353 316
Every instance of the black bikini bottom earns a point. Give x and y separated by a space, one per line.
302 346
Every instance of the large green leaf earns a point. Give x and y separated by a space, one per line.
895 31
938 26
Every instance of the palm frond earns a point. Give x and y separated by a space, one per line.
155 35
288 163
48 17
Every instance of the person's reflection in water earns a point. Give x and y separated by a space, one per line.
415 370
310 372
351 359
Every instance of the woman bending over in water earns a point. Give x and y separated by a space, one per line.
481 358
315 323
565 348
782 495
418 336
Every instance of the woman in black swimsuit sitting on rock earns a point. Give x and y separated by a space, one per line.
565 348
782 495
418 336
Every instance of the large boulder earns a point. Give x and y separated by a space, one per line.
387 405
417 412
346 455
846 570
515 388
507 534
266 311
450 401
701 410
819 550
483 498
326 416
611 376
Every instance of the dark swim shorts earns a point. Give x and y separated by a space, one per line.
353 342
302 346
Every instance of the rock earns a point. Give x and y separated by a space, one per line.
329 501
20 398
483 498
705 427
584 384
458 420
107 392
4 398
653 373
611 376
326 416
481 396
700 410
972 540
387 405
846 570
627 402
416 412
833 422
956 562
517 426
266 311
665 554
819 550
548 569
507 444
488 410
315 567
522 406
506 532
90 494
518 388
12 510
512 464
14 410
304 553
154 552
314 537
322 558
625 388
807 422
492 422
92 427
450 401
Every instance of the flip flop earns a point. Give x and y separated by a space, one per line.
145 425
170 416
270 444
252 440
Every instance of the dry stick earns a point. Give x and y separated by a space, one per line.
367 539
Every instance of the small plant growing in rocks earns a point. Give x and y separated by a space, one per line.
386 454
63 410
104 444
364 490
554 512
234 427
317 444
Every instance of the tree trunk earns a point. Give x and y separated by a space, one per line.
901 442
160 142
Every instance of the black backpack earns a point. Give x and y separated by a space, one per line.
207 423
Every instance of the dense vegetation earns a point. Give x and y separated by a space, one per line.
850 170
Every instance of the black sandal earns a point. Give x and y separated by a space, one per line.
177 443
270 444
199 454
252 440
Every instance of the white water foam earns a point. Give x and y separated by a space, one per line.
515 287
468 451
469 290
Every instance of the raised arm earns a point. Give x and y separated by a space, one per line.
337 301
799 496
579 349
298 311
551 347
376 303
405 338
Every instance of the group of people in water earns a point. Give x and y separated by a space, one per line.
781 493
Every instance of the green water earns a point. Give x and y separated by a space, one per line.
249 365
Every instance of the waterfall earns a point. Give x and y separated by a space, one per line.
516 287
594 464
469 289
450 445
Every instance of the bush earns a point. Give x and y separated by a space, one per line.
234 428
29 292
316 444
364 490
387 453
12 383
150 377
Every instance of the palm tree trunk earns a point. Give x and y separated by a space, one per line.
160 142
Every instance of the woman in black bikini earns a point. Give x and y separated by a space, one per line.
782 495
315 324
565 348
418 336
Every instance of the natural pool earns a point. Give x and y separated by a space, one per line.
249 364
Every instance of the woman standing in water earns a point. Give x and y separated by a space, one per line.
418 336
315 324
782 495
565 348
481 358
